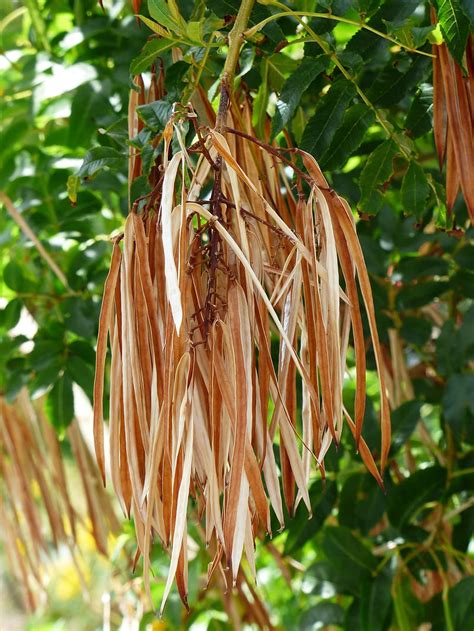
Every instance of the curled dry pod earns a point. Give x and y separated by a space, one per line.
221 258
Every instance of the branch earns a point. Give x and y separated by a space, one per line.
17 217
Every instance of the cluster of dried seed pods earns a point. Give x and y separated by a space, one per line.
38 512
229 306
453 121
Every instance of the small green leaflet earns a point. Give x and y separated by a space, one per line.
159 11
155 115
72 188
154 26
150 52
60 403
415 189
100 157
376 172
454 27
419 119
348 137
321 128
293 89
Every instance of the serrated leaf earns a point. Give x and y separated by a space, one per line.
155 115
100 157
348 137
60 403
294 88
150 52
454 27
321 128
160 12
415 189
377 170
419 119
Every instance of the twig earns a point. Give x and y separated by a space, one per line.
17 217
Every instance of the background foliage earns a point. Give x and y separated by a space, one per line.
363 106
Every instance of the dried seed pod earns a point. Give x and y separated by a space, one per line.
37 510
200 288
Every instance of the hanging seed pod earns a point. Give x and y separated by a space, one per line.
236 246
37 512
453 121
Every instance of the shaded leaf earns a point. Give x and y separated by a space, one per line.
60 403
321 128
293 89
321 615
415 189
348 137
152 49
99 158
376 172
406 498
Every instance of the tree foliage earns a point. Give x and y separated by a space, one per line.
362 103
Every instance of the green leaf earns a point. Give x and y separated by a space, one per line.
454 27
415 189
348 552
99 158
16 278
324 574
225 8
348 137
408 609
377 170
301 529
321 128
194 32
362 503
150 52
72 187
60 403
416 331
417 267
404 500
461 601
155 115
80 315
458 405
322 615
10 314
376 602
159 11
392 85
404 420
419 119
81 373
415 296
293 89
